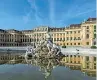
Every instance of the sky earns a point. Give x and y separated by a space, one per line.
28 14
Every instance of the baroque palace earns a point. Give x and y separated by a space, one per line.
83 34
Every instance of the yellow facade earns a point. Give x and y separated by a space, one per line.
83 34
78 34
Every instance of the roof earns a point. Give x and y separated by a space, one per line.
91 19
13 30
2 30
75 25
27 30
56 28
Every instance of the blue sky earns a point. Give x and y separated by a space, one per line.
27 14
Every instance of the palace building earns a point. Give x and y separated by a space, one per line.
83 34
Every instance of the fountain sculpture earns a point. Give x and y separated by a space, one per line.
46 48
46 54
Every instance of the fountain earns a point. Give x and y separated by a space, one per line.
44 49
46 55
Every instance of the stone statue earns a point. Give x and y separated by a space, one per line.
44 48
48 36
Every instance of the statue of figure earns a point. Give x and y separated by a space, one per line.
48 36
49 43
45 46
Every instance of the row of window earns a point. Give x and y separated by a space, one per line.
18 40
42 34
73 31
71 38
70 44
41 29
15 36
94 31
66 32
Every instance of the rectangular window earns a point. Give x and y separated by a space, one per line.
67 38
70 43
60 39
54 39
87 36
79 38
87 27
87 30
95 30
74 31
78 43
74 43
70 32
78 61
64 39
94 36
67 32
70 55
94 67
74 38
95 27
70 38
67 43
87 43
78 31
87 67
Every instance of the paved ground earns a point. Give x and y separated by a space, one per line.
14 48
79 51
69 50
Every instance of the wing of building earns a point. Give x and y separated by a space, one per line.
83 34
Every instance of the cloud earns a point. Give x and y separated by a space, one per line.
26 18
78 9
82 13
52 11
33 12
55 16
